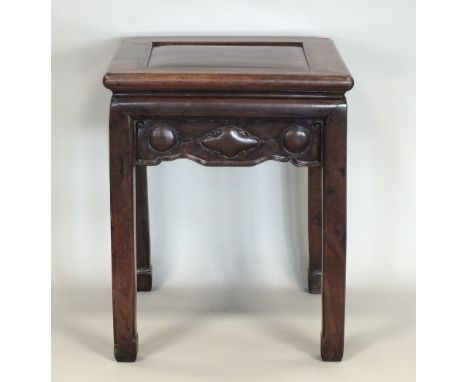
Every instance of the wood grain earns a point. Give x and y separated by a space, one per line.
230 142
228 102
315 229
144 269
334 235
318 67
216 56
122 234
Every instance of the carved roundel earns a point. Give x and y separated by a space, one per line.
162 138
296 139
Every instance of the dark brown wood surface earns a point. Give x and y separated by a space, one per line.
228 102
144 269
295 64
315 229
121 138
334 235
218 56
229 142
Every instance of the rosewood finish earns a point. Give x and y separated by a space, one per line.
228 142
228 102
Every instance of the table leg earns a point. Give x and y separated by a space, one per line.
315 229
122 235
334 235
144 271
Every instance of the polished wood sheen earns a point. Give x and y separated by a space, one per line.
144 269
122 235
282 56
315 229
229 142
242 64
228 102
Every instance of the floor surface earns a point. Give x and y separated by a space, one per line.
224 334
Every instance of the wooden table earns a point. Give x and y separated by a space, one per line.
228 102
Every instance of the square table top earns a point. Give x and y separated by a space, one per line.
224 64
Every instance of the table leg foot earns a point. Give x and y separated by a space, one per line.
332 347
144 279
315 281
126 351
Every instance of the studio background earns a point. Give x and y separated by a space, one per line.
228 227
242 225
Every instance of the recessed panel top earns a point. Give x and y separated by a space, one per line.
228 64
240 55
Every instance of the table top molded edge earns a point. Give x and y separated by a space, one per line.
128 70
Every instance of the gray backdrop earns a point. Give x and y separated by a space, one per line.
230 226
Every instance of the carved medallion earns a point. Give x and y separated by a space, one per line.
229 141
296 139
162 138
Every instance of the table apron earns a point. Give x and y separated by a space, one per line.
224 131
